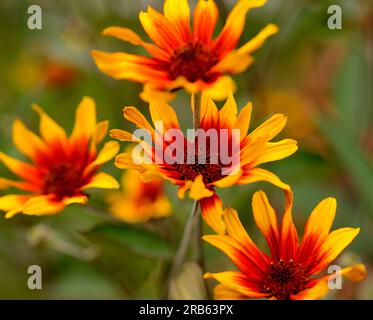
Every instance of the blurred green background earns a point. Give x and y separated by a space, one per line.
320 78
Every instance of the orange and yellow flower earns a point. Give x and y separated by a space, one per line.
139 201
62 167
182 56
201 178
291 270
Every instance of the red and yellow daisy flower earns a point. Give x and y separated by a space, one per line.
202 175
62 167
290 270
139 201
182 56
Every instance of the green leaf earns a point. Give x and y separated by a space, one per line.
139 241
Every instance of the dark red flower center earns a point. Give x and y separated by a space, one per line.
64 180
209 166
62 169
194 62
285 279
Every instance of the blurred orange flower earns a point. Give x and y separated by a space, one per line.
139 201
182 57
301 112
200 178
62 167
288 272
30 72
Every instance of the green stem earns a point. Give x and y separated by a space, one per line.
183 247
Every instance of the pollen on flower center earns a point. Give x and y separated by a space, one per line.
194 62
63 180
285 279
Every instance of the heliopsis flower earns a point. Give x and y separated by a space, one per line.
291 270
139 201
200 170
182 56
62 168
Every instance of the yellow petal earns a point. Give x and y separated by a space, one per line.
162 111
318 291
124 34
289 234
321 218
274 151
122 135
7 183
259 174
212 213
235 22
12 213
235 228
336 242
357 272
42 205
100 131
85 119
130 36
178 13
151 174
209 112
160 30
235 281
107 153
205 17
125 161
121 65
243 120
20 168
266 219
222 292
228 114
103 181
221 88
12 201
198 189
229 180
25 140
234 62
259 39
271 128
184 188
49 129
251 150
77 199
136 117
161 207
150 93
